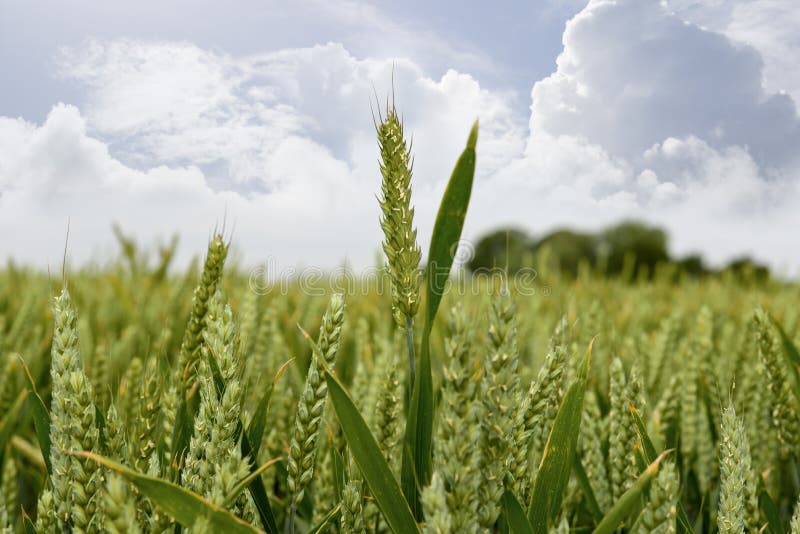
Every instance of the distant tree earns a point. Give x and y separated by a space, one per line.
500 248
631 250
747 270
692 265
568 248
646 245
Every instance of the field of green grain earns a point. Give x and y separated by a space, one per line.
137 398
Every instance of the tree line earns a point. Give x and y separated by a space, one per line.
630 249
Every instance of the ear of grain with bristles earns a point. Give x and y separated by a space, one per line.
499 393
400 237
116 444
46 512
322 484
457 459
248 320
169 412
145 425
77 482
738 501
757 414
434 503
667 341
100 375
311 408
193 336
129 389
120 508
352 518
397 221
705 463
590 448
668 411
784 405
151 516
214 444
659 514
623 470
689 405
389 402
541 404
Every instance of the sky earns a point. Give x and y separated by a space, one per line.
182 116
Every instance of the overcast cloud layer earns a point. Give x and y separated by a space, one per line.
682 113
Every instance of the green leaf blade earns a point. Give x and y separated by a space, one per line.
515 516
370 460
182 505
446 234
629 500
557 460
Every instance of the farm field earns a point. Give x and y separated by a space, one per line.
134 398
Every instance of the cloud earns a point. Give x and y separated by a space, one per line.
632 75
174 103
647 116
650 116
770 26
174 138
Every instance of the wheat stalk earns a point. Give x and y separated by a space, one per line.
311 408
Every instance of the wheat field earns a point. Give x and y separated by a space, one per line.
139 398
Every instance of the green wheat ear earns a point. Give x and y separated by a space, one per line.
499 393
311 407
77 482
352 518
659 515
784 405
193 336
458 461
738 501
434 502
621 454
120 507
397 220
794 527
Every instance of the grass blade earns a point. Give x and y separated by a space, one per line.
182 505
446 234
586 488
8 422
27 524
41 418
370 460
770 510
244 483
339 479
649 453
629 500
325 521
255 430
557 460
515 516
